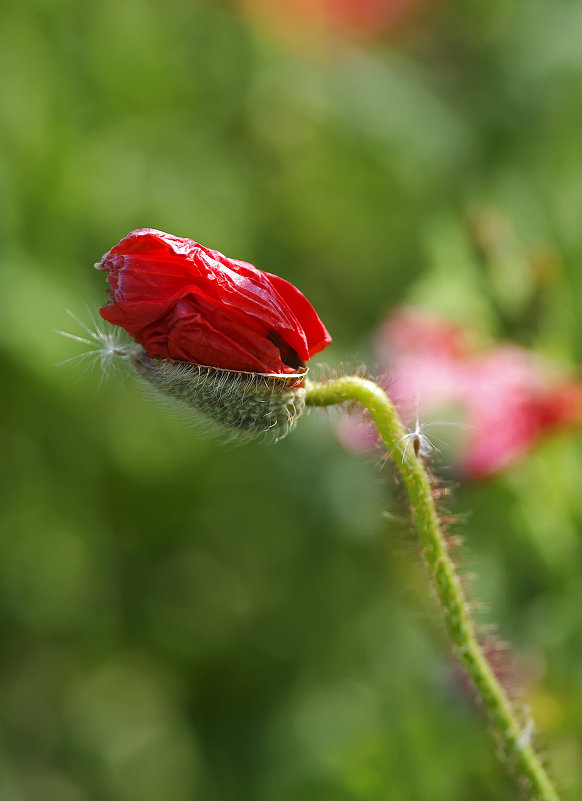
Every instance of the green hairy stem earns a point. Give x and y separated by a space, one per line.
513 737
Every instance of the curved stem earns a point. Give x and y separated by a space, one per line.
513 738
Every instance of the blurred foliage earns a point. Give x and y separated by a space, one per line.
185 621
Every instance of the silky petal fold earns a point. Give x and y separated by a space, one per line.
183 301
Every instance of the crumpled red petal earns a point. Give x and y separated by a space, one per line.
183 301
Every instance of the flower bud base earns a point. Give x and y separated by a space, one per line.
247 404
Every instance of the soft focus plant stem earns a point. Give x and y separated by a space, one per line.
460 627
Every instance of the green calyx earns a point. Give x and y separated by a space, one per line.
241 404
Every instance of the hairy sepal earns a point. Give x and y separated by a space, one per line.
243 404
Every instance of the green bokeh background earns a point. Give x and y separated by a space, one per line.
182 620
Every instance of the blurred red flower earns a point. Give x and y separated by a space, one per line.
365 18
182 301
508 396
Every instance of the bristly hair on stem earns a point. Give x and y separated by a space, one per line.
513 734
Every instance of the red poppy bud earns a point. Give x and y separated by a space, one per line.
185 302
218 335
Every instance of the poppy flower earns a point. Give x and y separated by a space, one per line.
509 397
353 18
185 302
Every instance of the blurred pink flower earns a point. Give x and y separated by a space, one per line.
509 397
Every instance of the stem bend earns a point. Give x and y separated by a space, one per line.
460 627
